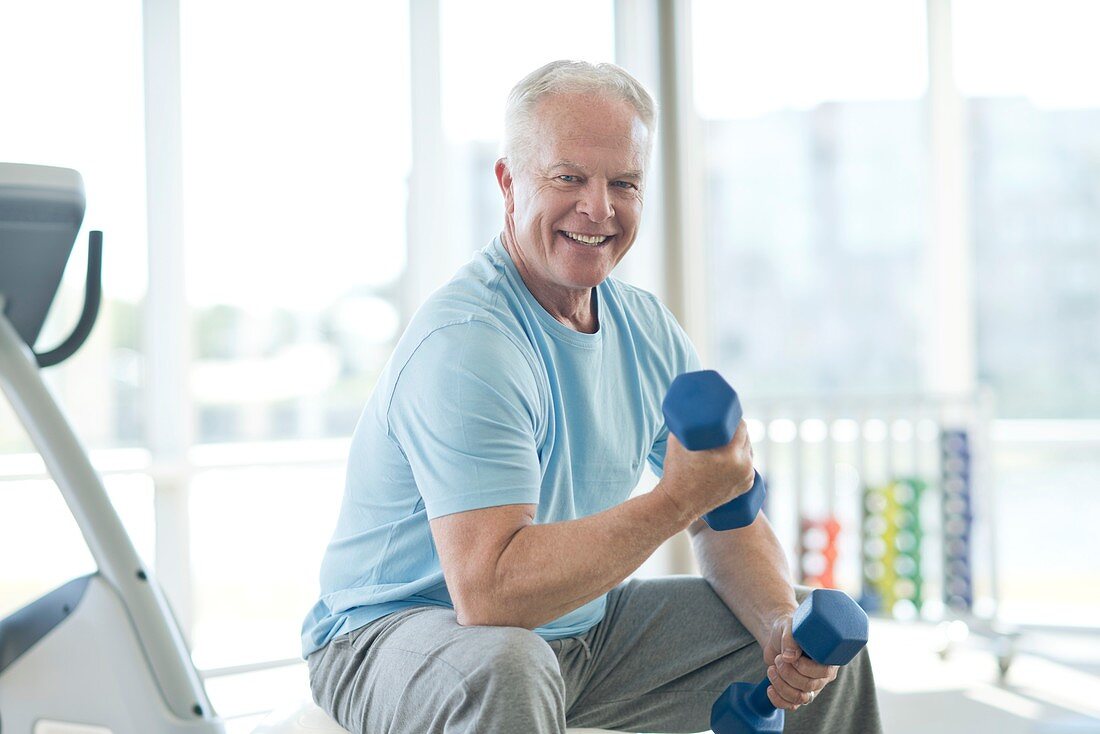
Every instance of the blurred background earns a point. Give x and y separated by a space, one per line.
880 219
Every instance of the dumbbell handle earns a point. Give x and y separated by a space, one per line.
740 709
758 701
718 517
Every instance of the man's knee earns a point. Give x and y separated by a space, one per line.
514 658
512 683
518 651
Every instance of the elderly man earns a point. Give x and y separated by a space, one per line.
475 580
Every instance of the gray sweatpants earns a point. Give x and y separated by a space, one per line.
663 653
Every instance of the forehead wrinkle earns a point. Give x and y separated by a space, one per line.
564 163
569 164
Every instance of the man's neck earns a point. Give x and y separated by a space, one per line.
576 308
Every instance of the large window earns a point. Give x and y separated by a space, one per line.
815 174
296 160
1034 131
816 181
1027 72
72 97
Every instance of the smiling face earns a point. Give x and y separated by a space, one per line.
572 210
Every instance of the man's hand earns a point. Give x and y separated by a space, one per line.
795 678
698 481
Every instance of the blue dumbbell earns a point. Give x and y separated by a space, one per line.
702 411
829 627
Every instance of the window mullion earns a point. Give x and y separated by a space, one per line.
169 415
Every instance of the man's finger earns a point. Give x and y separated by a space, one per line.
811 669
778 700
781 694
791 650
796 679
792 694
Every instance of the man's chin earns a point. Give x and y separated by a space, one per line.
587 279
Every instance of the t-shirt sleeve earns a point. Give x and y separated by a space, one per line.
683 358
465 413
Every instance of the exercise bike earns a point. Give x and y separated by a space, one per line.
103 653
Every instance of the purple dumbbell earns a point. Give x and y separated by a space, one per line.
703 411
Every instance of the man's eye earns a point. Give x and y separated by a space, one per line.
625 185
568 178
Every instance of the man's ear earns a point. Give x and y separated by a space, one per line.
504 180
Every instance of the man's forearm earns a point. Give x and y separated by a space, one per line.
748 570
548 570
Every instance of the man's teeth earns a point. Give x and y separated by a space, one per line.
585 238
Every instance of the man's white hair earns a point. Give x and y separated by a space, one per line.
568 77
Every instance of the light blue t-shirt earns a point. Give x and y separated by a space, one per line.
488 400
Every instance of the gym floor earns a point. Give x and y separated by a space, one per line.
1052 687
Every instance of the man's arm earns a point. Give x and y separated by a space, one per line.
748 570
503 569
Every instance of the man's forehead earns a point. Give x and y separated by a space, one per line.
587 131
585 147
573 116
635 169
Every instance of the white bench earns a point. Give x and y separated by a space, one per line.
307 718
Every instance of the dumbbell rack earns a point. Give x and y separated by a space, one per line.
925 458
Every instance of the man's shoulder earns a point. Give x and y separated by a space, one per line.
479 292
654 330
639 304
473 313
440 360
468 340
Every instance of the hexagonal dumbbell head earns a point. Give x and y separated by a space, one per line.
702 410
829 627
745 709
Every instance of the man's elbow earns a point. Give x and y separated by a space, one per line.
474 609
697 526
491 620
469 614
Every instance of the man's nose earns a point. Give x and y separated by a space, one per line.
595 202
